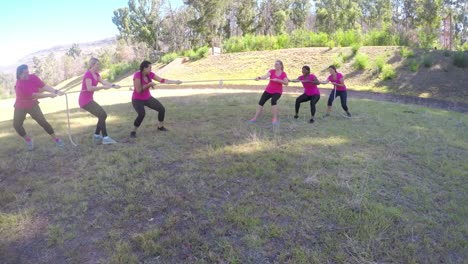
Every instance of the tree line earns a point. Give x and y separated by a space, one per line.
166 28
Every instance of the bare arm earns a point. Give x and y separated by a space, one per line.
91 88
107 83
264 77
162 80
47 91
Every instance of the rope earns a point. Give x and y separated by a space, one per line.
68 121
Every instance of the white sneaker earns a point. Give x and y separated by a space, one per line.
59 143
29 144
108 140
97 139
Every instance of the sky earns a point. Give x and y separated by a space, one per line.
27 26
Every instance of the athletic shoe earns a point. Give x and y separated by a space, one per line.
311 120
133 134
252 121
29 144
59 143
108 140
162 129
296 117
274 122
97 139
348 114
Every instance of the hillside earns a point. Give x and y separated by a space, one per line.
87 48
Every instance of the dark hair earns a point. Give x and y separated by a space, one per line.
143 65
307 68
20 70
332 67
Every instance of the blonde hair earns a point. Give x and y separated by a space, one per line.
92 62
281 63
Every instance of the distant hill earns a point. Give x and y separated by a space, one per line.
87 48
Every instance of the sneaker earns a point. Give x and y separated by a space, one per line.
274 121
108 140
162 129
311 120
97 139
133 134
29 144
348 114
59 143
296 117
252 121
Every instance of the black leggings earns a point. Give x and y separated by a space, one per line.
265 96
36 114
153 103
97 111
342 94
304 98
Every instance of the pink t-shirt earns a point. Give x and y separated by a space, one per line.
275 87
339 77
86 96
309 88
145 95
25 90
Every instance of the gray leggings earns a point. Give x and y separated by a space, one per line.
36 114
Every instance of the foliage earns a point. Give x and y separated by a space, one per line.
406 52
413 65
169 57
74 51
380 62
361 61
460 59
119 69
387 72
427 60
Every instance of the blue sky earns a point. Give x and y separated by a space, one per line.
27 26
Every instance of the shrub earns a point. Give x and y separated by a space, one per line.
169 57
196 54
318 40
355 48
346 38
380 62
406 52
338 60
361 62
427 61
116 70
387 72
447 53
460 59
413 65
282 42
380 38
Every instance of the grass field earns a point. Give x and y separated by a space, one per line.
388 186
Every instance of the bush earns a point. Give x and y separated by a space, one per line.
338 60
234 44
347 38
116 70
196 54
318 40
169 57
361 62
282 42
380 62
447 53
427 61
380 38
413 65
406 52
355 48
387 72
460 59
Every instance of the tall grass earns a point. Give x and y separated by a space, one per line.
361 62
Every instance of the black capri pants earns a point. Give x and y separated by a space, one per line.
266 96
343 96
153 103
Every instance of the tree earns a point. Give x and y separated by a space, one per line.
208 21
376 14
140 22
74 51
333 15
246 16
279 18
429 14
299 12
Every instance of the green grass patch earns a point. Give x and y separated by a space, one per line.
427 60
413 65
386 186
169 57
406 52
380 61
388 72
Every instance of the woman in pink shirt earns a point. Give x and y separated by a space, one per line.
311 92
274 89
28 89
89 85
337 79
142 82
